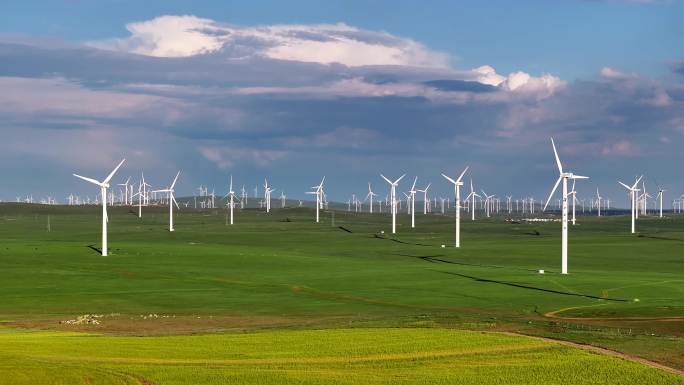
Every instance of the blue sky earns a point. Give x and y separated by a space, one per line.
294 90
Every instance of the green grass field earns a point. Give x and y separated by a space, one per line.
337 356
278 275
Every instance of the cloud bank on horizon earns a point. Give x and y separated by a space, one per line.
211 97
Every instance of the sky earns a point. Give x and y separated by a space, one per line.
292 91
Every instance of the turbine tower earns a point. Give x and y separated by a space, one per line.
457 192
318 192
563 176
172 200
231 196
472 196
370 196
393 197
103 191
633 190
413 203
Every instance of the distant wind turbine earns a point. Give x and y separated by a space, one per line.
393 197
457 192
172 200
633 190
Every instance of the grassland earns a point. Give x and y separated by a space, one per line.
337 356
282 271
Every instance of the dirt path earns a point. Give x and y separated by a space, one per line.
555 314
609 352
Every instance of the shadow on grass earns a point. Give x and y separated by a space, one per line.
95 249
521 286
400 241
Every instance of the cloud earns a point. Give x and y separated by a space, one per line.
611 73
227 157
191 93
620 148
182 36
678 67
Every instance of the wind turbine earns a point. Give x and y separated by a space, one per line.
425 198
633 190
563 176
318 192
393 197
660 199
488 202
598 201
231 196
125 185
267 195
172 200
413 203
370 196
103 191
457 192
472 196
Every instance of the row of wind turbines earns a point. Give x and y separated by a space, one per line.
488 201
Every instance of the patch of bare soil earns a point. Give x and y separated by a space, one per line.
165 324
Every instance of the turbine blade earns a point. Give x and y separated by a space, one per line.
463 173
111 174
174 181
625 186
388 181
555 153
449 179
93 181
552 192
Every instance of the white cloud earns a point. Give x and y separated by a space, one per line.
180 36
611 73
487 75
541 87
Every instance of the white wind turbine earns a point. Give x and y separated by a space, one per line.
413 203
125 185
426 202
487 202
393 197
598 201
267 195
457 192
172 200
370 196
563 176
633 190
103 191
472 196
660 199
318 193
231 197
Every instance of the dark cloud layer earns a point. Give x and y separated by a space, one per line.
235 109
